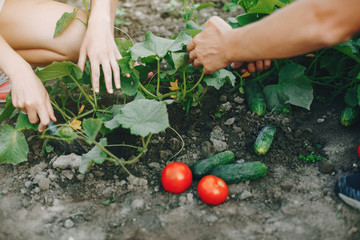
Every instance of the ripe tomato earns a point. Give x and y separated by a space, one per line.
212 190
176 177
358 150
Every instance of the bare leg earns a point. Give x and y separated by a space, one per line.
28 27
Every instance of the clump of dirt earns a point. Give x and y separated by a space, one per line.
47 197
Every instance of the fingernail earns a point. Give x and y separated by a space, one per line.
96 90
111 91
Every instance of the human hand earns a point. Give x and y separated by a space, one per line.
30 96
208 47
252 67
99 46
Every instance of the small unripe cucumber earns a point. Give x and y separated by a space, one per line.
238 172
203 167
264 139
349 116
255 98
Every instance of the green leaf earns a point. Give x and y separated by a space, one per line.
204 5
125 65
262 6
123 45
95 155
293 88
350 48
247 18
57 70
275 100
218 78
13 148
351 98
180 61
358 94
113 123
130 85
144 116
158 47
64 21
23 123
91 127
7 112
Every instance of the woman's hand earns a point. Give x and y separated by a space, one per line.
99 46
30 96
208 48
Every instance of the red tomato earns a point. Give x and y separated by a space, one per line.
212 190
358 150
176 177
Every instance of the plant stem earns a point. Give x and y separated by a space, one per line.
184 91
202 76
63 114
158 78
85 94
146 91
124 145
85 114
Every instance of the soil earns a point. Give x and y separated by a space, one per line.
42 199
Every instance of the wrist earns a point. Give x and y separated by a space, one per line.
230 46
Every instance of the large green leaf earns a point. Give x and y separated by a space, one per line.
13 147
91 127
22 123
95 155
57 70
293 88
157 46
123 45
219 78
113 123
144 116
180 61
64 21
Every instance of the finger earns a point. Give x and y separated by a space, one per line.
82 60
267 64
196 63
190 46
107 75
44 119
259 66
50 111
95 75
116 73
192 56
251 67
32 116
236 65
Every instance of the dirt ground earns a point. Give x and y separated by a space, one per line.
47 198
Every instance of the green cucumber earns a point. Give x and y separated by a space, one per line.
239 172
264 139
203 167
349 116
255 98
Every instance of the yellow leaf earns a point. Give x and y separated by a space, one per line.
174 85
81 109
76 124
245 74
310 55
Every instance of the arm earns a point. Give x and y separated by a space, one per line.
27 91
298 28
99 45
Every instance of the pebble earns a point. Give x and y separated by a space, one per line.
68 223
230 121
239 100
28 184
72 161
155 165
175 144
320 120
245 194
68 174
226 106
207 149
138 204
41 180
